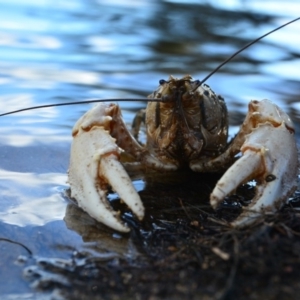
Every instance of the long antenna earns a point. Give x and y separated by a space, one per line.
245 47
78 102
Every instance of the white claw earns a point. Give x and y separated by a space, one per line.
235 175
270 157
117 177
94 165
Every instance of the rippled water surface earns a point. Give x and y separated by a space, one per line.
80 49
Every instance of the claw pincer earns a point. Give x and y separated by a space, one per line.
94 165
269 156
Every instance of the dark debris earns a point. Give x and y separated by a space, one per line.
188 251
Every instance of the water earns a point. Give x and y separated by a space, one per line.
76 50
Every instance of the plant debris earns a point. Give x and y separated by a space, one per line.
186 251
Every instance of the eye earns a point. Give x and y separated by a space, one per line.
162 81
197 82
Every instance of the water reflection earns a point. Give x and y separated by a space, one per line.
23 201
50 209
97 237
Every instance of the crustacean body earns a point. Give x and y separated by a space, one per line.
188 128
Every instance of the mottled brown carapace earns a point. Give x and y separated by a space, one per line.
190 122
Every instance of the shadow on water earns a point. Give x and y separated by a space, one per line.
183 249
